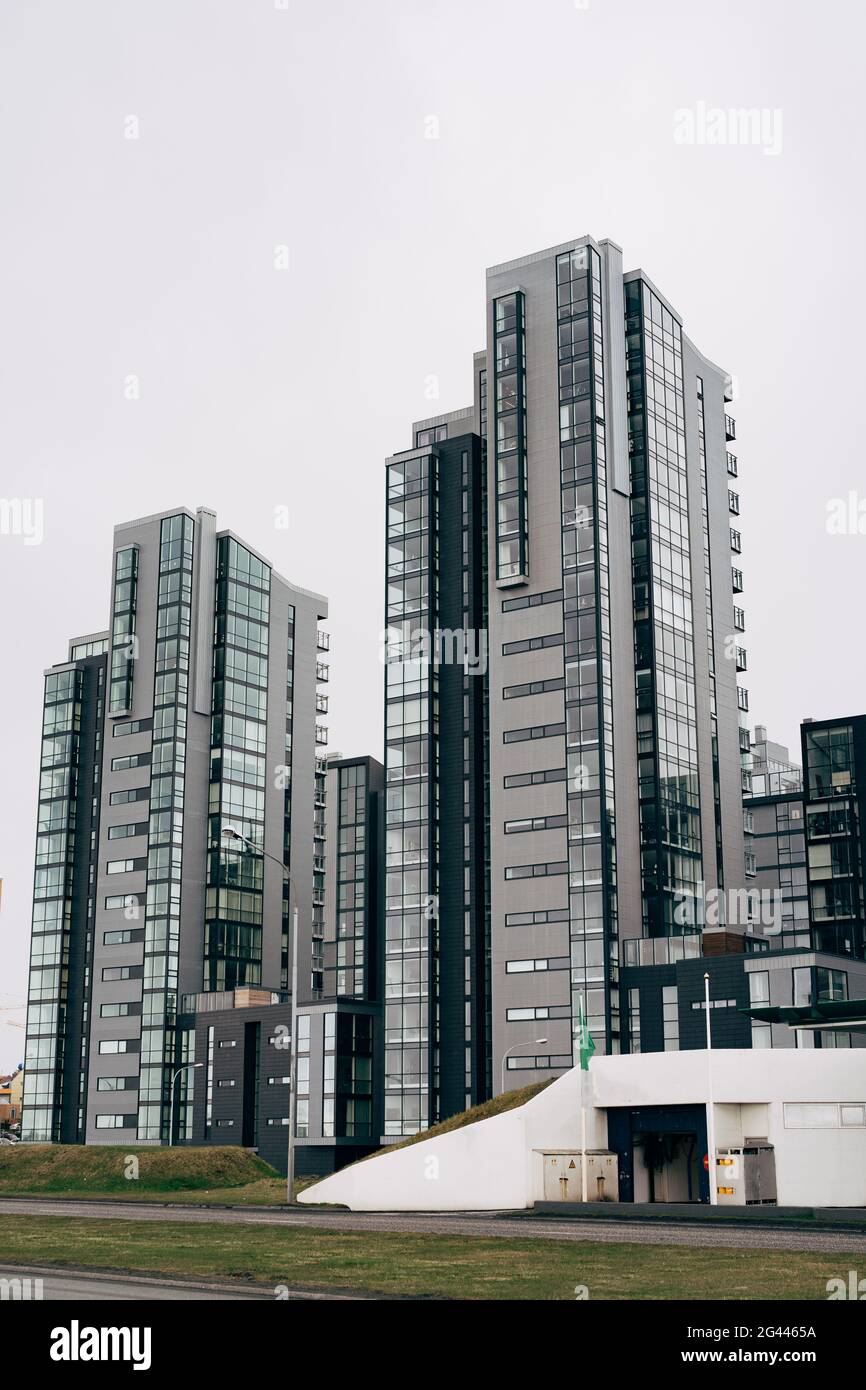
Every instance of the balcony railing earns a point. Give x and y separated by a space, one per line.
730 427
322 704
323 641
321 733
736 541
323 671
733 468
737 580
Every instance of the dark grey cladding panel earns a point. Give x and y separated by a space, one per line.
204 578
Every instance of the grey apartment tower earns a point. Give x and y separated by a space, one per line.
196 713
565 759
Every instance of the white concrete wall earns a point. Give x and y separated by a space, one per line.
486 1166
495 1164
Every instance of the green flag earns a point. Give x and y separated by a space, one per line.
585 1044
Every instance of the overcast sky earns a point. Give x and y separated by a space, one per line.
307 126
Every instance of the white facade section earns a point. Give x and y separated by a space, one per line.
806 1103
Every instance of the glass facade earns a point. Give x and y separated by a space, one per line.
123 639
49 1004
165 830
233 911
346 976
512 521
411 746
833 839
592 895
670 816
711 641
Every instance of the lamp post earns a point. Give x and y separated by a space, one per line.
229 832
187 1066
506 1055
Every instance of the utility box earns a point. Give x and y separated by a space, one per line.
746 1175
562 1176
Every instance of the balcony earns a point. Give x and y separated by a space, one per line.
323 672
737 580
323 641
739 620
321 733
733 469
736 541
742 662
322 704
730 428
733 503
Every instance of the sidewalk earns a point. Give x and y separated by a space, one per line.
681 1213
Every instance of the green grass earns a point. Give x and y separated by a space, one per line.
419 1265
499 1105
69 1170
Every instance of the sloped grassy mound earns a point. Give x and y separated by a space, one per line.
509 1100
26 1168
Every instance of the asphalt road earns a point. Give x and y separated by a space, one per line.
83 1286
488 1224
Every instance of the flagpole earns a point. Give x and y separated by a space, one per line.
583 1183
711 1109
585 1051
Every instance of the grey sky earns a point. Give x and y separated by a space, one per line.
306 127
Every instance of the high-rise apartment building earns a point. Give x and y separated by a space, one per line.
588 496
242 1037
195 713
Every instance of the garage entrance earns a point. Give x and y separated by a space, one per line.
661 1152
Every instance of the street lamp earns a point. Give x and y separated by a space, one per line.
230 833
187 1066
505 1055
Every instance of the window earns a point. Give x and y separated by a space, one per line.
131 726
536 870
433 435
670 1018
120 900
114 1121
123 832
132 760
759 993
115 1010
122 938
110 1046
832 984
131 794
533 779
521 967
120 866
822 1115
